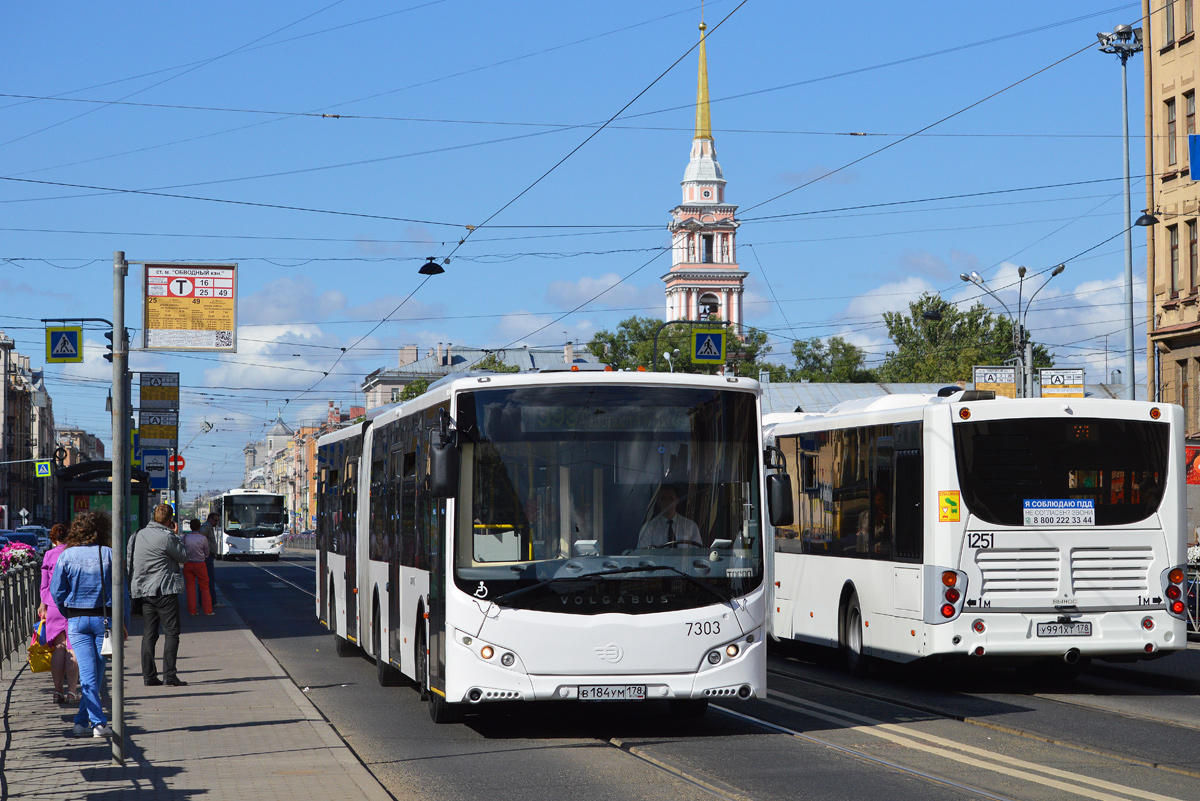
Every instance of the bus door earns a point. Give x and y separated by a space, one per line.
349 503
435 542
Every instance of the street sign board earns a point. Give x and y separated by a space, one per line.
158 429
175 463
999 379
64 343
1061 383
41 469
190 307
1193 154
159 391
708 346
155 462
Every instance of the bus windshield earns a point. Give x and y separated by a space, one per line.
253 517
582 499
1120 465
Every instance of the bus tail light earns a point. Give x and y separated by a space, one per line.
979 650
1173 579
1148 623
945 594
978 626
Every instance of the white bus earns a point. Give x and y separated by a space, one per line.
252 524
1036 530
558 535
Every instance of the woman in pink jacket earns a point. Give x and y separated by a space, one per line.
62 664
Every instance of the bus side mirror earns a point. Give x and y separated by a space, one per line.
443 468
285 517
779 499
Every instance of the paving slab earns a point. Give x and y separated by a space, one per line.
240 729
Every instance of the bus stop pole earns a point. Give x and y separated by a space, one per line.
120 476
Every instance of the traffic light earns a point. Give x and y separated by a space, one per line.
109 347
183 484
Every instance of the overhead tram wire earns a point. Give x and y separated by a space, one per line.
177 75
322 109
595 133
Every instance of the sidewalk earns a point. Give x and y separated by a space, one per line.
240 729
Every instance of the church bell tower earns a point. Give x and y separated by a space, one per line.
704 280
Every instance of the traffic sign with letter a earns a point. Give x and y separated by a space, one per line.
64 344
708 346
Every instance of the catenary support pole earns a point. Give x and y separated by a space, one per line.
1130 377
120 475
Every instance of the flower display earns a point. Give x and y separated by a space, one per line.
16 554
1194 555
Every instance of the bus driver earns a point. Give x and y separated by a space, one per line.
668 528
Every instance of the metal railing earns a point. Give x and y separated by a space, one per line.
19 598
304 542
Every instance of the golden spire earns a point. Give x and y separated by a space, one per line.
703 120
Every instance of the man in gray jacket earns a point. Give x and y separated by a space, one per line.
155 557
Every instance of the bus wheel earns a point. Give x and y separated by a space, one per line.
422 662
852 639
385 674
688 707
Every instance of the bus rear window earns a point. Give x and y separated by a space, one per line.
1121 465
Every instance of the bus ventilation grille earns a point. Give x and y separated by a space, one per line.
721 692
1119 569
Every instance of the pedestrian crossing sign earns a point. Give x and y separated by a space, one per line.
64 344
42 468
708 346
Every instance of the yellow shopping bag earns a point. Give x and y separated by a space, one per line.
39 654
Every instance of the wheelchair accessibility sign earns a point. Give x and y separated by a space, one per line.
64 344
708 346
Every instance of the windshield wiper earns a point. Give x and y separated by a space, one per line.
614 572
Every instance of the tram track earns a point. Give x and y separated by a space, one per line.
1014 731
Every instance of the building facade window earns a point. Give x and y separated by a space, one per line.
1193 253
1169 16
1173 241
1187 17
1172 152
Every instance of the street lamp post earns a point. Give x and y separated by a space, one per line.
1022 344
1123 42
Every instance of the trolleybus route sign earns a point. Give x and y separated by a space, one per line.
1001 380
190 307
158 429
159 391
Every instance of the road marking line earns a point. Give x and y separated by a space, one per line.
893 733
239 586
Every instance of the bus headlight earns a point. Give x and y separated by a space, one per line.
507 660
486 652
714 657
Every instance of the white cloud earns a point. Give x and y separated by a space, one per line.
569 294
890 297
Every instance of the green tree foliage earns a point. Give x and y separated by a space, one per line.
835 361
495 364
631 346
414 388
946 349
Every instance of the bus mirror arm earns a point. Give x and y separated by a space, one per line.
779 499
773 458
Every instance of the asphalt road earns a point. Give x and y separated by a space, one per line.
899 734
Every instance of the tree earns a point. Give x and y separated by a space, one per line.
946 349
826 362
495 364
414 388
631 346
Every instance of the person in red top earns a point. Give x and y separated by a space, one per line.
63 667
195 572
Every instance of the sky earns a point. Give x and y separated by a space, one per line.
330 148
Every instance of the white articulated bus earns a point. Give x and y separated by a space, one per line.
553 536
252 524
934 526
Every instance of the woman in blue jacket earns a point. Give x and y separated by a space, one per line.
82 588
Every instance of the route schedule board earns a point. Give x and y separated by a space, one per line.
190 307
